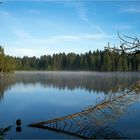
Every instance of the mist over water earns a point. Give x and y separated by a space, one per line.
39 96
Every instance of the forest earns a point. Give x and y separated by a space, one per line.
104 60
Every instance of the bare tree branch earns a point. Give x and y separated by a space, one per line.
129 45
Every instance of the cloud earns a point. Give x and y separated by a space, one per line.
24 36
131 10
33 11
5 13
96 28
119 27
63 38
23 51
82 11
20 33
96 36
31 46
30 40
68 38
83 14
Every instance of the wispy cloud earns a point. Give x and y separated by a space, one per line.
131 10
96 36
79 7
120 27
5 13
71 38
27 43
82 11
20 33
63 38
23 51
30 45
83 14
24 36
33 11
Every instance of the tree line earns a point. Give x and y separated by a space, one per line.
90 61
7 63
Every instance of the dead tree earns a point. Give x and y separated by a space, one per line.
128 45
91 123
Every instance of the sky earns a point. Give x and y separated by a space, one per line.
42 27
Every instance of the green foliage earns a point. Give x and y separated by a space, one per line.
1 59
91 61
7 63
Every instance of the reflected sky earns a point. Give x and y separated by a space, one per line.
37 96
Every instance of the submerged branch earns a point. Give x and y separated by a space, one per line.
91 122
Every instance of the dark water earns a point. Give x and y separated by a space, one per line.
39 96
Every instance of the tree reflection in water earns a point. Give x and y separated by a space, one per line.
90 81
3 131
92 122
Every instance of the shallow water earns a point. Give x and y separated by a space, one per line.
39 96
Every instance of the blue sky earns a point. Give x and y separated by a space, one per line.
39 27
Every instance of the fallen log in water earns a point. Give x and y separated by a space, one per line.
90 123
135 86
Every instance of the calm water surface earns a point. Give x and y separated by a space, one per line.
39 96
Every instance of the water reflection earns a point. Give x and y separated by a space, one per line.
42 104
90 81
93 122
18 125
3 131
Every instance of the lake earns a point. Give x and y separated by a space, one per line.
40 96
